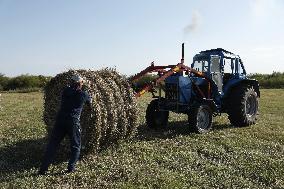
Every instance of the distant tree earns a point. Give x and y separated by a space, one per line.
3 81
26 82
274 80
146 79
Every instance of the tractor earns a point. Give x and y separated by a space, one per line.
215 83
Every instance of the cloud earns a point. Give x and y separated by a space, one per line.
264 8
194 24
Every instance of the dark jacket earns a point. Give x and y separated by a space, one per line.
72 103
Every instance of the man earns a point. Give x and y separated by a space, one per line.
67 123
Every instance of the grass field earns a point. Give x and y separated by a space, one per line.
227 157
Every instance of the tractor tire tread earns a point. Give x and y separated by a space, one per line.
236 106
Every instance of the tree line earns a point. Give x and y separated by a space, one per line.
266 81
23 82
31 82
269 81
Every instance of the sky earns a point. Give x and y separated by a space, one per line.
46 37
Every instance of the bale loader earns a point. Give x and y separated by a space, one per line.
215 83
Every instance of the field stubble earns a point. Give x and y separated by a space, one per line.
227 157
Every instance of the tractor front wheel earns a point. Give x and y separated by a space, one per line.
200 119
155 118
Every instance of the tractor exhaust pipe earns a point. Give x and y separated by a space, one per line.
182 54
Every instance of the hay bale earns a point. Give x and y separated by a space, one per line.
112 115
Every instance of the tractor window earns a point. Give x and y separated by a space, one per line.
238 67
227 66
201 66
215 64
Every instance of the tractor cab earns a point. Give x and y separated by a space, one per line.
220 66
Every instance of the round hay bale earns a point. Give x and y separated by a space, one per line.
112 115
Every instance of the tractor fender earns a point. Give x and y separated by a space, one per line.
237 82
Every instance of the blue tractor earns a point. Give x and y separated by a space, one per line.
215 83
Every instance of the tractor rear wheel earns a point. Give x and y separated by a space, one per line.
200 119
243 106
154 117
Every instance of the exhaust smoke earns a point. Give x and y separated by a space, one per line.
194 24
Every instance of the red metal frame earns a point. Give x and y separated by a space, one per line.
163 73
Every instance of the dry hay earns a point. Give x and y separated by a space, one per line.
112 115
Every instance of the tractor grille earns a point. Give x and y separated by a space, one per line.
171 91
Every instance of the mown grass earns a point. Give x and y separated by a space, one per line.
227 157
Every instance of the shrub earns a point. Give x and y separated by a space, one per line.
269 81
138 85
3 81
22 82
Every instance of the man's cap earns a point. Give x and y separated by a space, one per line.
77 79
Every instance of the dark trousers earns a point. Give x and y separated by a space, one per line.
60 130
